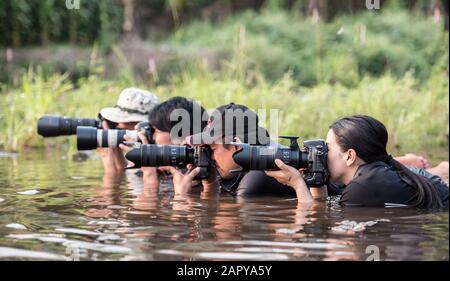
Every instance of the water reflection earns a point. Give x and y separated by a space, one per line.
79 213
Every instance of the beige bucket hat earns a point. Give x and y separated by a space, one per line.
133 105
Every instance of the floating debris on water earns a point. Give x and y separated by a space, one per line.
1 200
347 226
78 178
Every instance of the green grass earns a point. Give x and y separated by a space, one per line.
415 114
344 50
55 94
308 71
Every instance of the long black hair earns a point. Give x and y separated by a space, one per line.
369 137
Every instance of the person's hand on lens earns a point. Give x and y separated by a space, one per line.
182 183
292 177
287 175
112 158
150 174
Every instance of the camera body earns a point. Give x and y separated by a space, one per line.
312 159
202 159
316 174
155 155
89 138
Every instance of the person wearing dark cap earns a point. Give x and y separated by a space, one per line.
227 125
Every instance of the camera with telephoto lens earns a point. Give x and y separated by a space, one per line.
89 138
55 126
156 155
312 159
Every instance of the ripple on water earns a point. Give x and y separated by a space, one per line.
225 255
78 231
11 253
305 245
49 205
16 226
73 244
241 256
107 222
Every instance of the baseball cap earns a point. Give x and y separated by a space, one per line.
228 122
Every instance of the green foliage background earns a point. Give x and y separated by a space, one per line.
391 64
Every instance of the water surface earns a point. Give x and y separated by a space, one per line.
55 208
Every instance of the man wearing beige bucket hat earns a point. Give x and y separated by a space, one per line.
133 106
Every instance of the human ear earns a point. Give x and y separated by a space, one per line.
351 157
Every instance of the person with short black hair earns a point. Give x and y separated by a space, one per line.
163 122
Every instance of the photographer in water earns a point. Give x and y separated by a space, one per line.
228 124
357 158
133 106
162 125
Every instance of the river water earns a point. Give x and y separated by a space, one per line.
55 208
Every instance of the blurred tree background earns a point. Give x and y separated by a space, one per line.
150 33
328 58
39 22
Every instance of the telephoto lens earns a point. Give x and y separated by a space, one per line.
251 157
54 126
89 138
155 155
312 159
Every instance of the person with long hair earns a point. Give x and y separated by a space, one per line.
357 158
